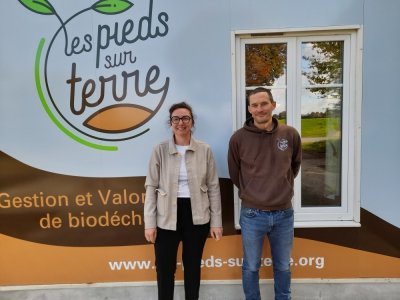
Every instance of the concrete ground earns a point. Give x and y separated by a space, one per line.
301 290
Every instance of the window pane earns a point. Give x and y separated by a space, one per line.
266 67
322 63
321 122
266 64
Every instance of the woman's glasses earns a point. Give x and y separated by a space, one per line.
185 119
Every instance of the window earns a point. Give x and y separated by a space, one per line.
315 78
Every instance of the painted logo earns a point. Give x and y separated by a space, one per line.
282 144
90 77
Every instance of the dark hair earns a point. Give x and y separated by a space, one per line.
180 105
260 90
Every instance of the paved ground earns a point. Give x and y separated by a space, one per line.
301 291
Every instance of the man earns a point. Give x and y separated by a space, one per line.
264 158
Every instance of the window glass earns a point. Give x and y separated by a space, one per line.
321 123
266 66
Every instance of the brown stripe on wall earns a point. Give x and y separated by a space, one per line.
55 209
122 199
375 235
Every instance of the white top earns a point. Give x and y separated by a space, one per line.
183 186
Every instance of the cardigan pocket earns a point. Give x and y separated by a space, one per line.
161 201
205 202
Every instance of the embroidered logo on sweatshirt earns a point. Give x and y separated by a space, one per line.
282 144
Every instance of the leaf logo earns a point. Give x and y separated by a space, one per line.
127 91
39 6
109 7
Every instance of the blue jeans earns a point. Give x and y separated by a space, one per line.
278 227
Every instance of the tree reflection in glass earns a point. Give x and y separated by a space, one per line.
321 115
266 67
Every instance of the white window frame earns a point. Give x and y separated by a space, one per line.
348 214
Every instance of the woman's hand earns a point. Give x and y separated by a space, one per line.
216 233
150 234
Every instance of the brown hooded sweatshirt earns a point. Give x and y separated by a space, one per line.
263 165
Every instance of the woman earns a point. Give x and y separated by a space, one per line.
183 203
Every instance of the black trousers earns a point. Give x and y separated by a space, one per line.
193 239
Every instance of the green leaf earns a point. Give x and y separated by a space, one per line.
112 7
42 7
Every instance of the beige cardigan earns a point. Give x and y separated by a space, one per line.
160 207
